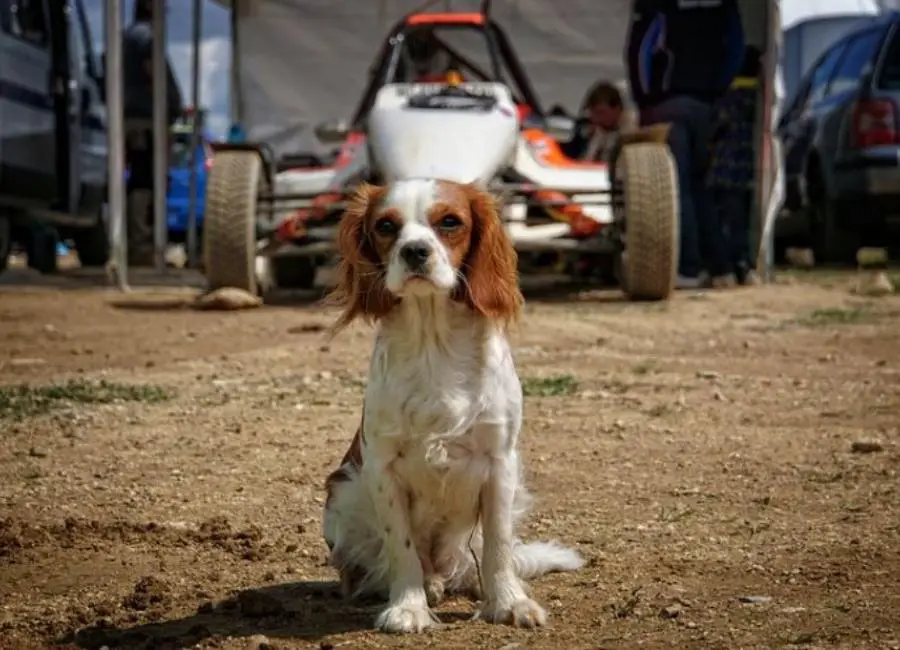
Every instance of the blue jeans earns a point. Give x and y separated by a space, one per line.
702 240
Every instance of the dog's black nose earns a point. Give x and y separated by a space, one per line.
415 254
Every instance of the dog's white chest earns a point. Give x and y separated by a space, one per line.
420 396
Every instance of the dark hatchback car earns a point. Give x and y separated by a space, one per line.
841 136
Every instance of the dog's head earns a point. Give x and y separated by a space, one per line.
424 237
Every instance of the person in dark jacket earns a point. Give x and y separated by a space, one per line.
681 57
732 174
137 64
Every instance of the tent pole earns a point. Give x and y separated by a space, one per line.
115 138
237 102
196 35
160 136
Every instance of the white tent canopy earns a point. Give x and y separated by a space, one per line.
298 62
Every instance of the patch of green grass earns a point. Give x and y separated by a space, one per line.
21 401
838 316
553 386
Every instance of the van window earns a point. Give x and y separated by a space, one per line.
25 19
823 72
860 52
889 77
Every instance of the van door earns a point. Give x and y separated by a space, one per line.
91 142
29 143
65 105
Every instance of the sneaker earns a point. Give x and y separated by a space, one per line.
687 282
723 281
750 279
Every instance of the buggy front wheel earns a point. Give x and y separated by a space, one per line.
229 225
646 174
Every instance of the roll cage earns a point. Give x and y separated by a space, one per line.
388 65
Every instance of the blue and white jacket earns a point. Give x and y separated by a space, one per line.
683 47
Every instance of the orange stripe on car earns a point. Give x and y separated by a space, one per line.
548 151
445 19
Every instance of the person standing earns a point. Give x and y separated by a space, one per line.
681 57
137 64
732 174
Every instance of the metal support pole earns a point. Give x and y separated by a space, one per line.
160 136
195 133
115 139
237 97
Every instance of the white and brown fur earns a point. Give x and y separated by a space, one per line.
432 479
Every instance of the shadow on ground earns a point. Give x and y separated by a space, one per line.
308 611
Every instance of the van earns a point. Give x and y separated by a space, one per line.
53 141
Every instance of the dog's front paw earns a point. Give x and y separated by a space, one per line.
522 613
434 590
405 619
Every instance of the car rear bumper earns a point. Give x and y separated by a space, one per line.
870 172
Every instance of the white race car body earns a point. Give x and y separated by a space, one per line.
472 135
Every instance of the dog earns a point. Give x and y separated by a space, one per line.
427 496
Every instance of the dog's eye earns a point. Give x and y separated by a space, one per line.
450 222
385 227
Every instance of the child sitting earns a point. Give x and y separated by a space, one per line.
732 176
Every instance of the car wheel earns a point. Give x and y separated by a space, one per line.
831 242
40 249
5 242
92 244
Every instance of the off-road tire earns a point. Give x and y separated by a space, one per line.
5 242
229 226
646 173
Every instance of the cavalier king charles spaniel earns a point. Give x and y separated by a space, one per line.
427 497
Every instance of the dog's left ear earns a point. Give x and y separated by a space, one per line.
491 266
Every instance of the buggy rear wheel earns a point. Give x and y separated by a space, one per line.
646 173
229 225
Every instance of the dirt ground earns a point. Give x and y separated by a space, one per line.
727 462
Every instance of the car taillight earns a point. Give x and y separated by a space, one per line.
874 124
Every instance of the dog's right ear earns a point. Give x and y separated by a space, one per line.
360 289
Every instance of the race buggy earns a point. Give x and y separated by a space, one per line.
271 224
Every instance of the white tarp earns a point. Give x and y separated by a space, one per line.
303 61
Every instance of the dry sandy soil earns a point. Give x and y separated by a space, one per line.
161 479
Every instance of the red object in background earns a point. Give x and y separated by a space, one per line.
874 124
294 226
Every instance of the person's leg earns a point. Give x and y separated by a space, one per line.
732 215
139 158
711 233
689 262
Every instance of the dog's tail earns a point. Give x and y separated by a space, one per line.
537 558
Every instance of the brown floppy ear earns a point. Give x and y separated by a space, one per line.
491 266
360 286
